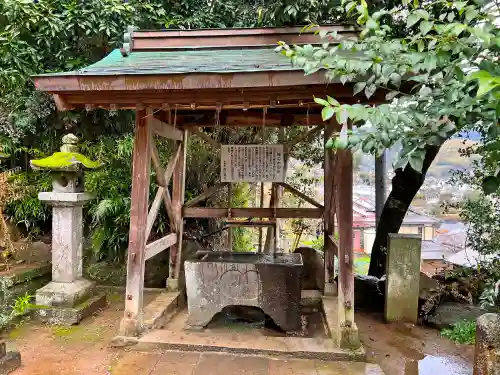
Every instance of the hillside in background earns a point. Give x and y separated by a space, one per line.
447 161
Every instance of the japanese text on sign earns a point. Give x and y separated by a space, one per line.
252 163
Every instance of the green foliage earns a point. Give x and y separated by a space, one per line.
243 238
22 305
489 295
427 60
317 243
463 332
24 208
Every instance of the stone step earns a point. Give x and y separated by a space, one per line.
158 311
269 346
310 298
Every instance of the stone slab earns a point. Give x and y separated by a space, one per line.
269 282
10 362
157 312
60 315
487 353
23 274
403 278
330 311
64 294
449 313
297 347
65 199
182 363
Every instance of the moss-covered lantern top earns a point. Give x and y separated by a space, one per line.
66 166
68 159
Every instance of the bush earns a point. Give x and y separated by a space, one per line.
463 332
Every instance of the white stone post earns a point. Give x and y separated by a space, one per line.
68 298
67 286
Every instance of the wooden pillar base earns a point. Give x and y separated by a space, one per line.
331 289
349 338
131 327
173 284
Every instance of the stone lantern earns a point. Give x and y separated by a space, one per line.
68 298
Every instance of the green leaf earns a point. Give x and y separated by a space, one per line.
400 163
332 101
327 113
358 87
391 95
412 19
416 162
425 91
426 26
340 143
420 45
320 101
471 14
371 23
451 17
490 184
342 116
422 13
395 79
370 90
330 143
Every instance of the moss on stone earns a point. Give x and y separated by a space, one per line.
64 160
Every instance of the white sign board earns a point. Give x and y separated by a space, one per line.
252 163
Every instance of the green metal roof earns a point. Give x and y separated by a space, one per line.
186 61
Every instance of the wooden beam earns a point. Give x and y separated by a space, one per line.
165 130
206 194
61 103
345 249
163 179
171 164
155 157
304 136
158 246
178 190
154 209
334 241
301 195
329 202
205 137
282 213
250 223
131 325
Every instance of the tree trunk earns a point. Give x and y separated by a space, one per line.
405 185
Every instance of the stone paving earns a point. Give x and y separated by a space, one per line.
183 363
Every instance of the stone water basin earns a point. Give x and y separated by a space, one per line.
270 282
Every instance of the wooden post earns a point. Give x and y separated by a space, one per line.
230 229
178 187
330 287
279 191
348 330
131 324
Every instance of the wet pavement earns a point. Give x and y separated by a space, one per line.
182 363
85 350
405 349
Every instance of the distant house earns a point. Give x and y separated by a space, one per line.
415 222
434 257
